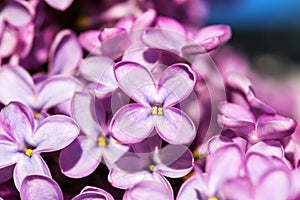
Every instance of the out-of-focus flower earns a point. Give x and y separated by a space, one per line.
21 143
93 193
40 187
155 104
84 155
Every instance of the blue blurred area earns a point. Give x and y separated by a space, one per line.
256 14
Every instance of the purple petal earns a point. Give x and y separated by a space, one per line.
16 85
171 24
80 158
90 42
65 53
9 153
99 69
175 126
175 161
54 133
237 112
59 4
132 123
17 120
211 37
217 142
89 114
176 83
274 127
18 13
93 193
8 41
148 145
99 191
275 185
57 89
229 158
6 173
145 20
237 189
135 80
143 189
40 187
268 148
28 166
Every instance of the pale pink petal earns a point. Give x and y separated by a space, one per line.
59 4
145 20
40 187
268 148
90 42
175 126
8 42
132 123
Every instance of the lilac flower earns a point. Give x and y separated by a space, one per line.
61 5
93 193
148 162
84 155
222 165
266 127
40 187
154 107
144 188
21 143
17 85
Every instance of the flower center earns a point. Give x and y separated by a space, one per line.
37 116
157 110
102 141
151 167
213 198
28 152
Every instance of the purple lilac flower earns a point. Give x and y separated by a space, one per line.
21 143
155 104
40 187
59 4
84 155
150 162
93 193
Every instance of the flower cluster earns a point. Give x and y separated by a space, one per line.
137 102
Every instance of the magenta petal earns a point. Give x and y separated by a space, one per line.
80 158
90 42
57 89
145 20
132 123
237 112
275 185
237 189
28 166
143 189
8 41
16 85
18 13
16 119
6 173
175 126
228 157
176 83
90 189
40 187
135 80
65 53
59 4
268 148
274 127
54 133
175 161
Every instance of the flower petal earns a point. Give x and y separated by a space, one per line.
90 42
65 53
56 90
235 111
275 185
268 148
18 13
6 173
80 158
16 85
136 81
176 83
29 166
175 126
9 152
132 123
99 191
145 20
175 161
144 188
54 133
236 189
40 187
17 120
275 127
59 4
228 157
8 41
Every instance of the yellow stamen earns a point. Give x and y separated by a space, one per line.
28 152
37 115
196 154
102 141
83 22
213 198
188 175
151 168
157 110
